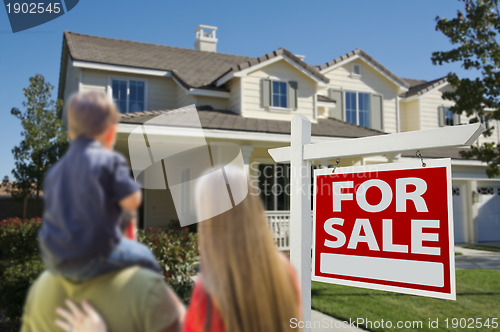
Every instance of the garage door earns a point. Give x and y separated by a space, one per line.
459 213
488 217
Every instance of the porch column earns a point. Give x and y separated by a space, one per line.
246 152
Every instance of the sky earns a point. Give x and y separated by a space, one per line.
400 34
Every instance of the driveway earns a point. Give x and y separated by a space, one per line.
477 259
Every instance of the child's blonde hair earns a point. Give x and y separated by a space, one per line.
91 113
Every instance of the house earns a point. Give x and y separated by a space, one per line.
251 101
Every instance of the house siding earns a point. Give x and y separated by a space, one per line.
283 71
161 91
370 81
184 99
410 115
216 103
429 104
234 102
93 80
72 74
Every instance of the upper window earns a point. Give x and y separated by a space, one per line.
280 94
447 117
129 95
356 69
357 108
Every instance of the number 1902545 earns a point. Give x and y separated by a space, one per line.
33 8
471 323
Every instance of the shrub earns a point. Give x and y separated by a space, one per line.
18 238
20 263
176 251
17 276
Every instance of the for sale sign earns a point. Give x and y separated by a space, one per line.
386 227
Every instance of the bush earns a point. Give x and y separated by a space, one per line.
176 251
18 238
20 263
17 276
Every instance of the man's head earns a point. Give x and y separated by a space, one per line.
93 115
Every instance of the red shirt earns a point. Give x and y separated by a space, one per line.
202 303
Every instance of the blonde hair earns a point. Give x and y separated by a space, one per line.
250 283
91 113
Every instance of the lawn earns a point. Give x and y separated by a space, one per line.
478 296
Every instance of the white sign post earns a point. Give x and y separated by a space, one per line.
302 152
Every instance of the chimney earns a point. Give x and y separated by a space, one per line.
205 38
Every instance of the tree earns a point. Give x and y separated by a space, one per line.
474 35
44 140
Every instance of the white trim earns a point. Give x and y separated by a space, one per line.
225 78
208 93
315 105
122 69
282 110
357 56
80 79
398 115
326 104
242 95
245 72
475 179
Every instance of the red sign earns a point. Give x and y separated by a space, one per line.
386 227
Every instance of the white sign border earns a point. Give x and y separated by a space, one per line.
430 163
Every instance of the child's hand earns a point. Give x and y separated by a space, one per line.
77 320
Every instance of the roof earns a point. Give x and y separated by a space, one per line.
193 68
279 52
360 53
420 87
226 120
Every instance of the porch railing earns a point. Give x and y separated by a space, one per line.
279 222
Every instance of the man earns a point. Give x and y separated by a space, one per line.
131 299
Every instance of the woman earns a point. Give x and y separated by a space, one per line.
245 284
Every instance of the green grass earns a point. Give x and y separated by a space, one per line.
478 247
478 296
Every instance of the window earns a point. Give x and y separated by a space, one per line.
274 185
356 70
357 108
129 95
280 95
448 117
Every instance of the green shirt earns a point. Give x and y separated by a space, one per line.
133 299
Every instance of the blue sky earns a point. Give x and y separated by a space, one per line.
399 34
